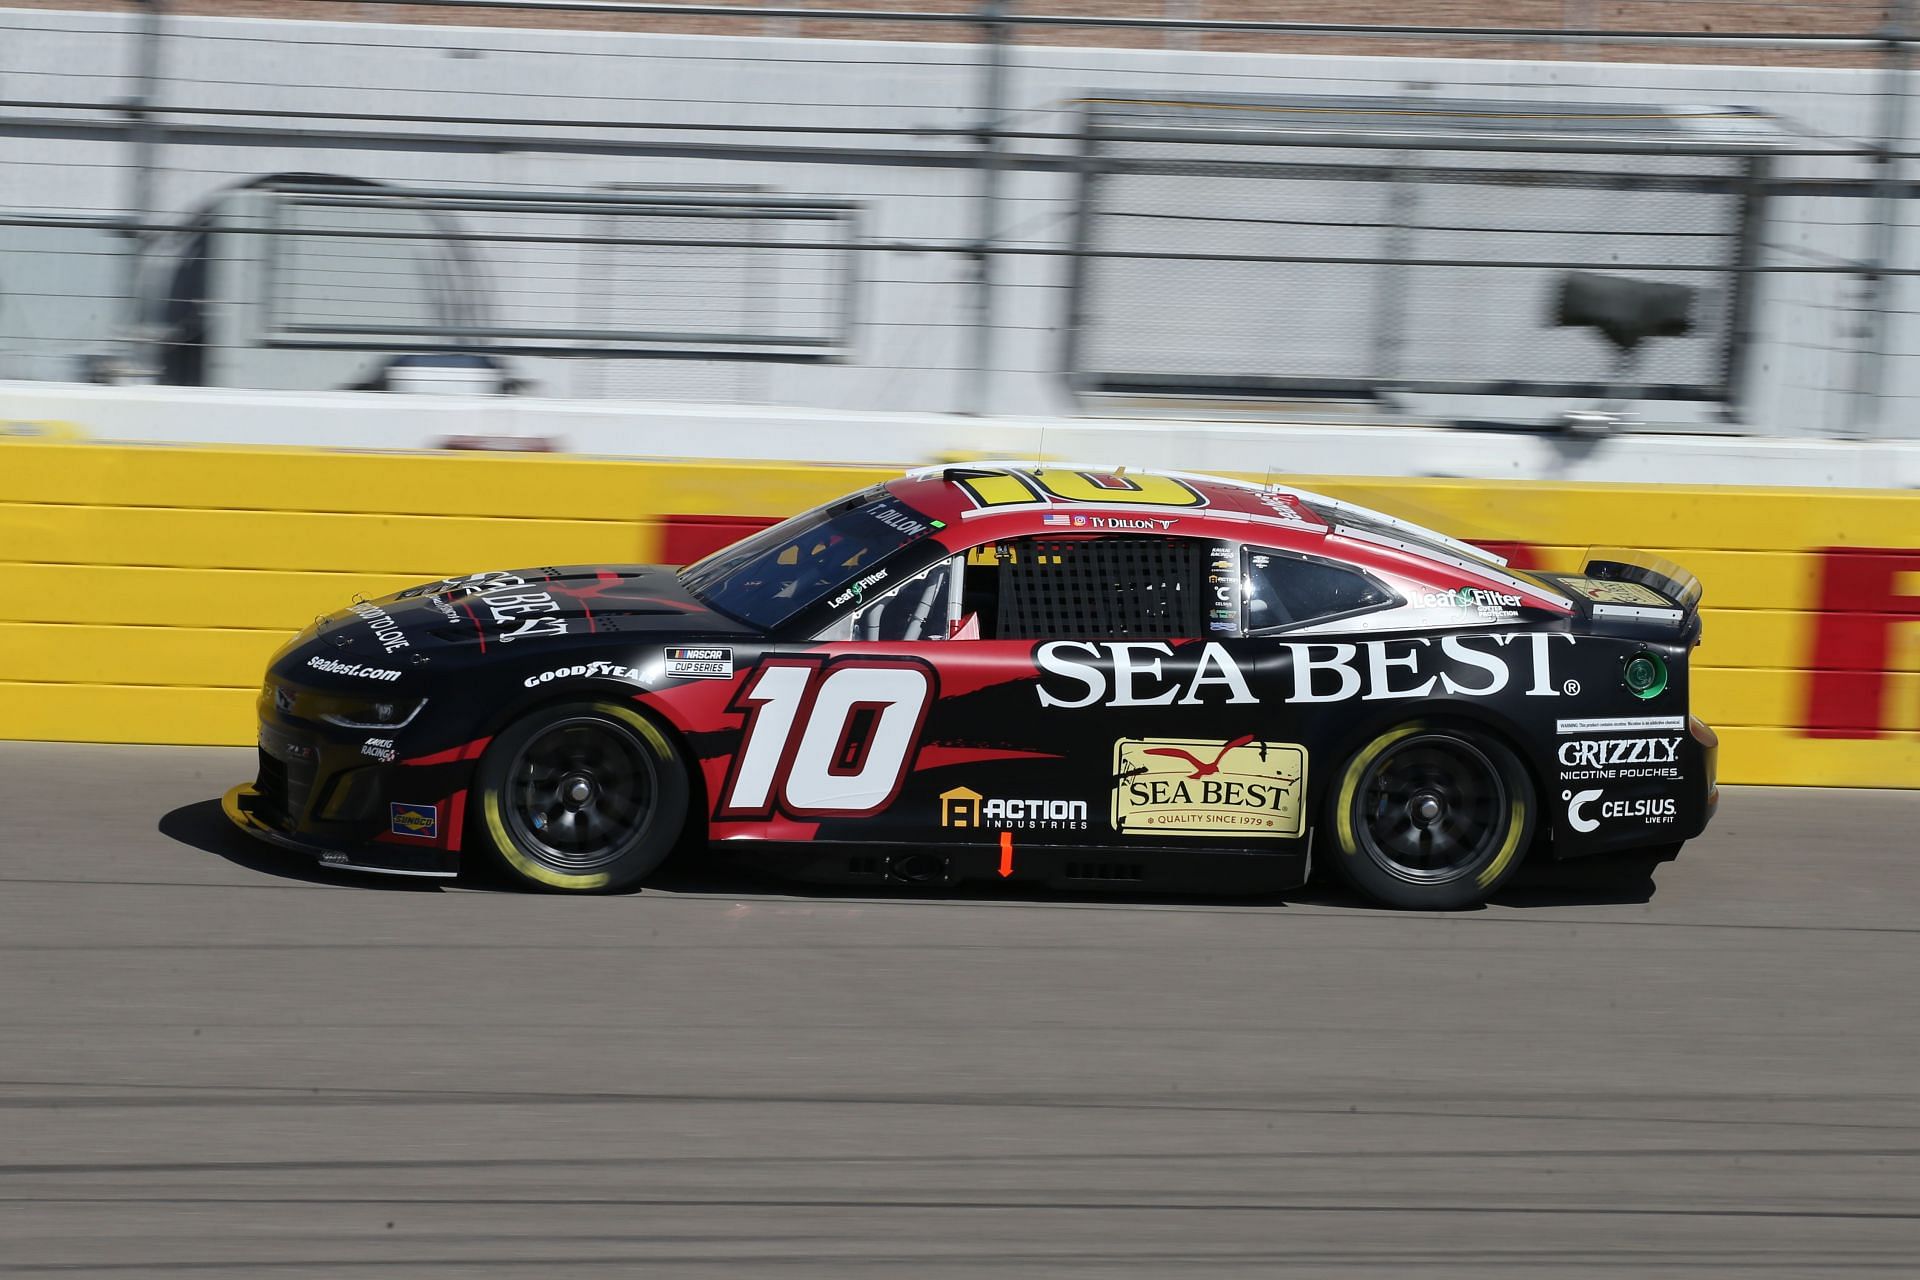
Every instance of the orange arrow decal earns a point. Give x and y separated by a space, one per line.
1006 853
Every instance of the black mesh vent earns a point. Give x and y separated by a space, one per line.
1100 587
283 788
271 786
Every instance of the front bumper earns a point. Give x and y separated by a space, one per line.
243 808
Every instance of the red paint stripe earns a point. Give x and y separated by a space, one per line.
938 757
480 634
456 819
453 755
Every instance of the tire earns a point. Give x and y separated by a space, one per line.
586 797
1431 817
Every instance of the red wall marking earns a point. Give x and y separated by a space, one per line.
1519 555
685 539
1860 606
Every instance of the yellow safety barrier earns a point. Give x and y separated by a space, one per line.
142 588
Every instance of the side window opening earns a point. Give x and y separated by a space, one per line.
1287 590
921 608
1087 588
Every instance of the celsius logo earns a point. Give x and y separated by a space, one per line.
1576 801
1657 811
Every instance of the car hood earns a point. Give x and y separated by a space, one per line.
496 611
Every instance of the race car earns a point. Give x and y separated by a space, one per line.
1078 676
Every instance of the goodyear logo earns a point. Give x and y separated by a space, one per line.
422 820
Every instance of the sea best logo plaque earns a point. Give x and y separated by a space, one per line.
1184 786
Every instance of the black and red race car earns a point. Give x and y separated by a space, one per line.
1081 676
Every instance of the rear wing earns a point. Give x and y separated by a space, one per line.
1634 586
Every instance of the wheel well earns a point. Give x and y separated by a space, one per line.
698 808
1472 724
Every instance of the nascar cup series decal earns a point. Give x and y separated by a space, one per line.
708 662
1183 786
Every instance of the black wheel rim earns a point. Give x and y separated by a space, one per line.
581 793
1432 808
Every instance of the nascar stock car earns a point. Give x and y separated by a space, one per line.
1069 675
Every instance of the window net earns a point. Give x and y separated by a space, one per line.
1099 587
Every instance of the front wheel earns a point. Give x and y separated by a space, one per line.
584 798
1431 817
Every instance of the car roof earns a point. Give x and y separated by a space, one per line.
982 501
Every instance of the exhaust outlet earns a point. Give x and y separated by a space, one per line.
917 868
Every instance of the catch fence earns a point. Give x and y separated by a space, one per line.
1183 209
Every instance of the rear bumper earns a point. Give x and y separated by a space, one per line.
1709 742
243 808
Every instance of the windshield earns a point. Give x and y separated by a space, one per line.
827 553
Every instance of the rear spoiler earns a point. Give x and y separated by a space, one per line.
1634 586
1618 564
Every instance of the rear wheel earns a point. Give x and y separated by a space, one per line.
1431 817
583 798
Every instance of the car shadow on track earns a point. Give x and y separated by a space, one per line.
1620 879
203 826
1541 882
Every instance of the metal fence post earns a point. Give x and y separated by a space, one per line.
1876 301
977 396
144 137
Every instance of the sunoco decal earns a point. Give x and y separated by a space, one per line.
422 820
1186 786
710 662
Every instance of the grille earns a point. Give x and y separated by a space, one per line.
283 787
353 796
271 786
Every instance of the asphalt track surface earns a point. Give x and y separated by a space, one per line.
216 1061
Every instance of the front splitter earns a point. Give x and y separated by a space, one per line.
238 804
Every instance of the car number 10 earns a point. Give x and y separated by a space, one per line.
826 741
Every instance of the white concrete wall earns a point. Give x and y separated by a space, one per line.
368 420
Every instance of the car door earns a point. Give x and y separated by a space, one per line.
1061 666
